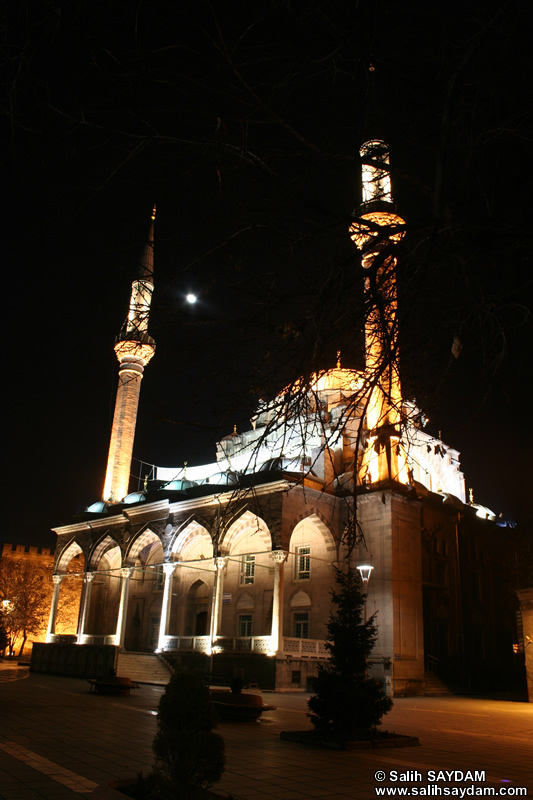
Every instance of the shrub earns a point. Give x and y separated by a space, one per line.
189 756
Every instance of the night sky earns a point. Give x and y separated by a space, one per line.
244 127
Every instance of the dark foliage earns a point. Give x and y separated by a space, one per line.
347 703
189 756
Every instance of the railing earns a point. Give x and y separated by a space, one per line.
307 648
313 648
62 638
68 638
194 644
244 644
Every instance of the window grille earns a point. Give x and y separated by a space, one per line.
245 624
303 563
301 625
247 569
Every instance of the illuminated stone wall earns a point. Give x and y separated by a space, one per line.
526 605
42 559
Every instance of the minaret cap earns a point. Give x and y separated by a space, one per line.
146 264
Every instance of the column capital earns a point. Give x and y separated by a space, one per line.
89 576
220 562
57 579
278 556
169 567
126 572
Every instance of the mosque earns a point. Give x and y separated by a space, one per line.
228 566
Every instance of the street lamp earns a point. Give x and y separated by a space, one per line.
365 572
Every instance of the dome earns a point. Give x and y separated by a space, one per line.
483 512
178 486
451 499
134 497
221 479
100 507
339 379
231 436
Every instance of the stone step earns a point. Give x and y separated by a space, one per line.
143 668
435 687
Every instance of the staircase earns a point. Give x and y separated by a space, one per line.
143 668
435 687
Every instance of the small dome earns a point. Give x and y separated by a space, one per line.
221 479
100 507
178 486
451 499
134 497
483 512
231 436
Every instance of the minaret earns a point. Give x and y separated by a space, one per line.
376 232
134 348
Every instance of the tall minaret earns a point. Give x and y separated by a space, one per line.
376 233
134 349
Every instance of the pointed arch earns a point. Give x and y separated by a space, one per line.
248 526
198 608
300 599
105 562
245 601
316 517
143 546
192 542
71 550
107 548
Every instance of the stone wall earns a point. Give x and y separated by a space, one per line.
526 604
77 661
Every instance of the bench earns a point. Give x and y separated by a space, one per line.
238 706
114 685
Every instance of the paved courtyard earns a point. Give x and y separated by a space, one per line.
58 741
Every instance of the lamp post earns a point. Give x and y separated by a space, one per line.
365 570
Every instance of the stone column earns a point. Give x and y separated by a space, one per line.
84 610
166 604
53 610
125 575
218 587
278 557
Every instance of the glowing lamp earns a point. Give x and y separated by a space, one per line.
365 571
191 298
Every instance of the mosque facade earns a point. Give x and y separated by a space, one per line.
228 566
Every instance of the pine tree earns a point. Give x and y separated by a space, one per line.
347 703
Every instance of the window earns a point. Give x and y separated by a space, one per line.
247 569
301 625
245 624
303 563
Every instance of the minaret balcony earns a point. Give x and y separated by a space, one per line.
377 225
130 347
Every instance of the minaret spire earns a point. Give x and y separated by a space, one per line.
376 233
134 348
